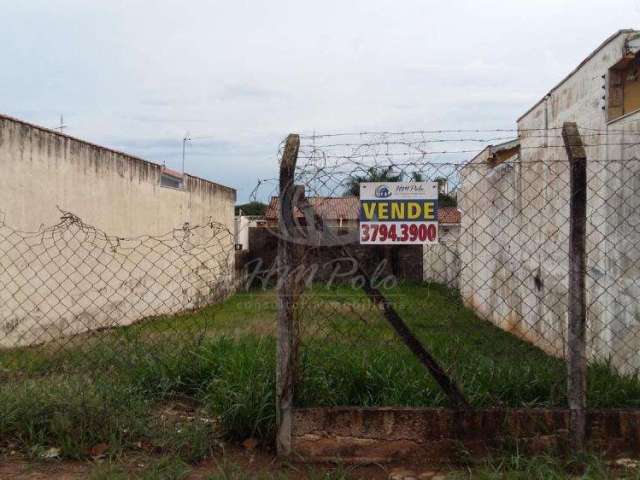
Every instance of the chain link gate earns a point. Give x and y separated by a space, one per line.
513 302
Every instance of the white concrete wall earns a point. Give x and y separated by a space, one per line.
119 194
516 222
73 278
241 226
441 261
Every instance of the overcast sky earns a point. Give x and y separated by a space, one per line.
136 75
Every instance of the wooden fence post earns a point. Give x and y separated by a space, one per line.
576 340
287 341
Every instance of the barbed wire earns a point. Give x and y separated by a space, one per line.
504 260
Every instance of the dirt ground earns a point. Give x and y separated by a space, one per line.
251 462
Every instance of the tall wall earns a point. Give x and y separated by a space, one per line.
516 222
71 278
118 193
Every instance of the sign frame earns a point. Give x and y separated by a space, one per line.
398 213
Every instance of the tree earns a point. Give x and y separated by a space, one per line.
447 200
251 208
373 174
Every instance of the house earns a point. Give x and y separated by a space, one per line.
449 219
341 212
242 224
515 203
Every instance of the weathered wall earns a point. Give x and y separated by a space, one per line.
73 277
120 194
516 222
361 435
402 261
441 261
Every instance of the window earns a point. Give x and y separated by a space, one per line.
171 179
623 92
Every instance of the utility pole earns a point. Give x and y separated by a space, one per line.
186 139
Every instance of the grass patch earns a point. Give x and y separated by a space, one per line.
106 387
169 468
518 467
71 414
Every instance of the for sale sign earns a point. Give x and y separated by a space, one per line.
398 213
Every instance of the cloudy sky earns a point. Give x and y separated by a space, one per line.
239 75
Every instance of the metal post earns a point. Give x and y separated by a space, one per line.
576 347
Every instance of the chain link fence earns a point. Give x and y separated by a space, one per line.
491 315
73 297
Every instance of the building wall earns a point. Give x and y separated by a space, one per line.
441 261
120 194
329 264
242 225
73 278
516 223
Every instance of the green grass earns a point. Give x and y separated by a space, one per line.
506 467
169 468
107 388
518 467
173 468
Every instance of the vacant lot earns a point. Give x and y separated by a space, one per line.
180 385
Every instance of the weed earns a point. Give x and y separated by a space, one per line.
190 440
167 468
349 356
242 393
519 467
71 414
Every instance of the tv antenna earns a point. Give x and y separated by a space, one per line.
62 126
187 138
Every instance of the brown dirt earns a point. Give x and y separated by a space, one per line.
253 462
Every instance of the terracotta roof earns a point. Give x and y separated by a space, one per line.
449 215
329 208
335 208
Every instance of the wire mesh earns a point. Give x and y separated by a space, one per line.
73 296
490 299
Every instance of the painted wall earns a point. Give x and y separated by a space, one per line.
73 277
